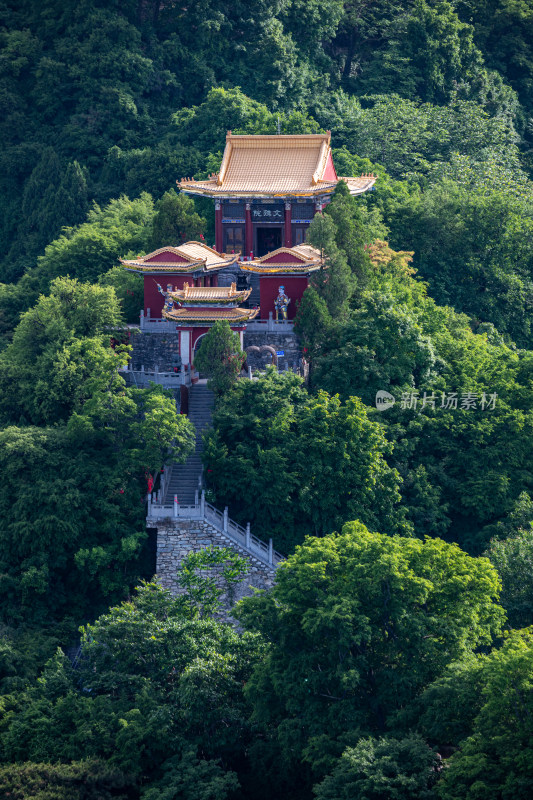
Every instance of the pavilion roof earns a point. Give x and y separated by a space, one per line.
275 166
210 295
299 259
188 257
188 316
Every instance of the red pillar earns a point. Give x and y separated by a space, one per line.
219 243
288 220
249 232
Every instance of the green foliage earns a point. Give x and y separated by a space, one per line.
513 558
292 464
189 778
73 490
176 221
359 624
407 136
312 322
102 102
334 281
383 769
496 760
157 700
91 249
80 780
204 584
471 248
429 54
220 357
129 291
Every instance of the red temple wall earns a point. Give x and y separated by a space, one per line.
295 286
155 301
330 173
283 258
166 257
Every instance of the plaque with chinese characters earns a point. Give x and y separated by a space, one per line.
268 213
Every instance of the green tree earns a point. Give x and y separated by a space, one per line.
291 463
129 291
123 227
351 236
81 780
383 769
359 624
220 357
496 760
175 221
156 700
429 52
334 281
209 577
312 322
513 558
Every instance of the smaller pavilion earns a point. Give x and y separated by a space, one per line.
289 267
199 307
192 263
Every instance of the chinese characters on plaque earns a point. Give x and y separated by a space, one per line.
267 214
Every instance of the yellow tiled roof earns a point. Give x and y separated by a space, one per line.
310 261
273 166
198 295
185 316
197 255
213 259
307 251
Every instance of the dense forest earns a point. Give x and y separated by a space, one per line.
394 658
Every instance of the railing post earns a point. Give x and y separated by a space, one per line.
196 499
149 503
248 536
250 373
225 525
142 319
176 505
270 552
202 504
270 326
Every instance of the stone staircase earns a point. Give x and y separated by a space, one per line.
183 479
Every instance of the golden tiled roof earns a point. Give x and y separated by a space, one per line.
307 251
206 295
196 255
186 316
309 260
274 166
213 259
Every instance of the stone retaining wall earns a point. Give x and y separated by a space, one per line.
287 342
178 537
153 350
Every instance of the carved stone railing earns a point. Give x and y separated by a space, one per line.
202 510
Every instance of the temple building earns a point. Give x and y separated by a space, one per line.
289 267
199 307
266 194
192 263
268 190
